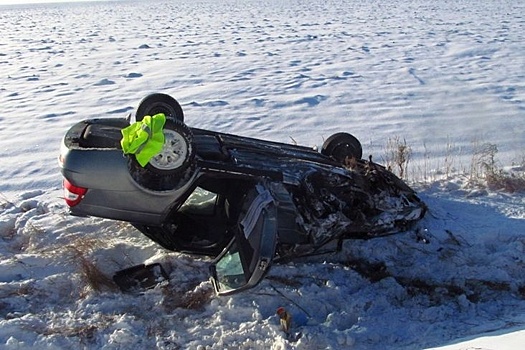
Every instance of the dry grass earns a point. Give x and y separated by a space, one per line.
94 279
197 299
505 182
190 298
485 167
474 289
483 171
86 332
397 156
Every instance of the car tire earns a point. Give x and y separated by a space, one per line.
159 103
342 145
173 166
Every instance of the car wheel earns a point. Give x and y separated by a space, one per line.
342 145
159 103
173 166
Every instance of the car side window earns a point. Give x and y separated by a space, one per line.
229 269
200 202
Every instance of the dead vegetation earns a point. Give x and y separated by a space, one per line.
475 290
484 170
79 252
397 156
192 298
485 167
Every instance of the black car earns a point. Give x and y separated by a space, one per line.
249 202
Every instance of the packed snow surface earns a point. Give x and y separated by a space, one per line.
443 75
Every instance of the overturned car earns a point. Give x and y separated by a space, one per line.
244 201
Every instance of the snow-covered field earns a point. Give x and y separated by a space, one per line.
444 75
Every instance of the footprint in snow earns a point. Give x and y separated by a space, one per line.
217 103
134 75
311 101
105 82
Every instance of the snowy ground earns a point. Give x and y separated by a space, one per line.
442 75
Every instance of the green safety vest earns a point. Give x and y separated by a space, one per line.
145 138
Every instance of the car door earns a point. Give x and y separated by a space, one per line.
248 256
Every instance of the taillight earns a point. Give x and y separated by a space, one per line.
73 194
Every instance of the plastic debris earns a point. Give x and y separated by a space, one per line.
285 318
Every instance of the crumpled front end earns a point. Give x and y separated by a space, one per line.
364 202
